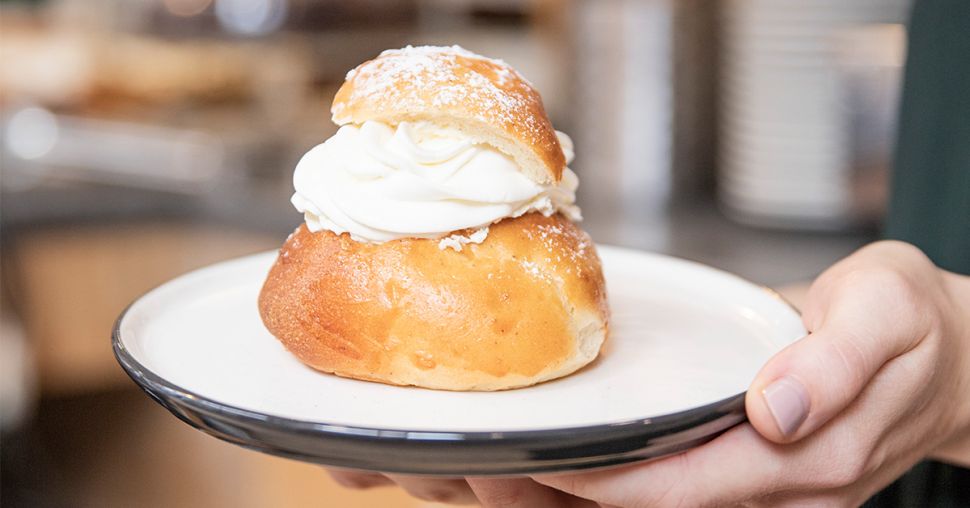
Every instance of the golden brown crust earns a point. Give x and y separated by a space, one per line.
482 97
526 305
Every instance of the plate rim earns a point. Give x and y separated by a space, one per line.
155 385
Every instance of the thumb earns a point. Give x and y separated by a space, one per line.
817 377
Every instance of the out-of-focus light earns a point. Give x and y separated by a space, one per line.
186 8
250 17
31 133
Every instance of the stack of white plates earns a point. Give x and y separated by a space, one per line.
785 150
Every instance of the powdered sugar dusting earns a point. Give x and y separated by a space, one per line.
454 48
553 235
532 268
403 79
561 248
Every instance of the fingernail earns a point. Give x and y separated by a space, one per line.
788 401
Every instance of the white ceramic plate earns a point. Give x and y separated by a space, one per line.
686 340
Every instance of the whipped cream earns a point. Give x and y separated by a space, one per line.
379 183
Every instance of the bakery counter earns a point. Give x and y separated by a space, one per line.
700 232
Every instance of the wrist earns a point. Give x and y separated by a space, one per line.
956 449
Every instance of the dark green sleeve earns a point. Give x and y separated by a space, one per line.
930 205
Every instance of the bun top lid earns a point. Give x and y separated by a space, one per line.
484 98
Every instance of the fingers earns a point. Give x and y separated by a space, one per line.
438 490
695 478
861 320
522 493
358 480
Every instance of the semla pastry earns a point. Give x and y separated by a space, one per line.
439 247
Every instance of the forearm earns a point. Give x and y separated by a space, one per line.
956 450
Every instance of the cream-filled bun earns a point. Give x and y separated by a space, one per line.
439 248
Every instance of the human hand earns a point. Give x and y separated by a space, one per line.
881 382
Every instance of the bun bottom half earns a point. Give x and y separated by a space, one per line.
526 305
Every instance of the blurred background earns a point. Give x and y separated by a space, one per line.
143 138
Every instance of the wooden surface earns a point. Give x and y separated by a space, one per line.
69 284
